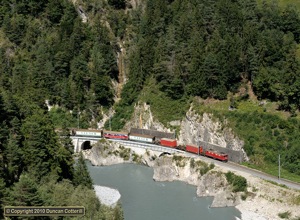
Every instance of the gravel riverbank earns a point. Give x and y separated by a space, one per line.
107 196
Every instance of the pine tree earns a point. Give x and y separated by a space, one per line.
25 192
13 159
42 151
64 155
81 174
3 193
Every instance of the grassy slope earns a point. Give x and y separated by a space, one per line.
164 108
292 2
272 169
251 131
284 2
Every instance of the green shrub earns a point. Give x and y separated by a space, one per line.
244 196
200 163
192 163
136 158
125 152
153 157
116 152
204 167
179 160
102 141
164 108
238 183
123 114
61 117
254 189
285 215
296 200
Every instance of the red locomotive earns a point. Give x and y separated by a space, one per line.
115 135
216 155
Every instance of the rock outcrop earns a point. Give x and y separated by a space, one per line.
170 168
107 153
215 184
208 179
143 118
194 128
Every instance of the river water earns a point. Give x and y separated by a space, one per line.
144 199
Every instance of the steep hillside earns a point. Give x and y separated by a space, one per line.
93 57
220 50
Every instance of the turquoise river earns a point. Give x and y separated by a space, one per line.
144 199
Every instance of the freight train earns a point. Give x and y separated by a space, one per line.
165 142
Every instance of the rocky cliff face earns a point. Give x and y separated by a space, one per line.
143 118
170 168
193 128
107 153
207 178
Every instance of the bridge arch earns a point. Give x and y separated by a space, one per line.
164 153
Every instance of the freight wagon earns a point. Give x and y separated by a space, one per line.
87 133
142 138
194 149
168 142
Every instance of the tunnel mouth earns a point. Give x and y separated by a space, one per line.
86 145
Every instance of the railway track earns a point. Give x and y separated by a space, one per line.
230 165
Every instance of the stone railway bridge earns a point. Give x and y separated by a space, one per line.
82 143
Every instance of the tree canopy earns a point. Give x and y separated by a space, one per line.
48 55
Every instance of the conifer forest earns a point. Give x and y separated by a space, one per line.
180 49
